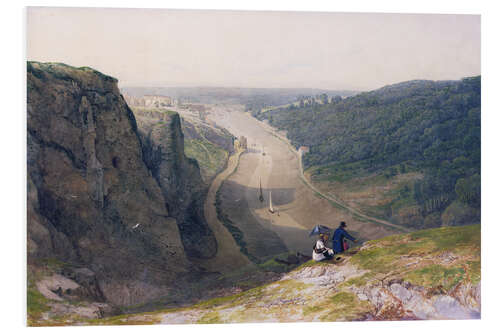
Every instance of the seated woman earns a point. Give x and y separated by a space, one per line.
320 251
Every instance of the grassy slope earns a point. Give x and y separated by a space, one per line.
421 258
390 194
210 157
391 256
379 194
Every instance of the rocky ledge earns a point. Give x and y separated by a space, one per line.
430 274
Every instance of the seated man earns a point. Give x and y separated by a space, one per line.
339 236
320 251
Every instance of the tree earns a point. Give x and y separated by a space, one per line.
468 190
323 98
336 99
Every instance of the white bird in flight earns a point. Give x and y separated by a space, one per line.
135 226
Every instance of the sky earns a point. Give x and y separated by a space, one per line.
159 47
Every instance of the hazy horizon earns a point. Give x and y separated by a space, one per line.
289 88
257 49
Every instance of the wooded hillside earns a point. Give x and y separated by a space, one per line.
429 127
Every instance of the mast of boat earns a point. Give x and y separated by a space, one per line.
271 210
261 197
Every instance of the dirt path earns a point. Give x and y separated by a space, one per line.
228 257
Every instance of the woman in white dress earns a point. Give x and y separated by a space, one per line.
320 251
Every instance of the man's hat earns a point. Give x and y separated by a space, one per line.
342 224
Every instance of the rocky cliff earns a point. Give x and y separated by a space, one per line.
99 199
179 179
204 141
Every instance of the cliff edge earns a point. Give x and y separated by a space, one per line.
179 178
93 203
429 274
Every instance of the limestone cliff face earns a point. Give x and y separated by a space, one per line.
92 200
179 179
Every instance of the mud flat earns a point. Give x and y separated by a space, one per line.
271 162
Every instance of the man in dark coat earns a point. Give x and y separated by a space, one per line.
338 238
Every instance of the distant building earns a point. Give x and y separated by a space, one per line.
150 101
303 150
157 101
133 101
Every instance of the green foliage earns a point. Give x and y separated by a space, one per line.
360 280
430 127
345 306
217 301
469 190
307 310
261 100
436 275
474 271
271 265
210 318
36 304
343 298
451 238
458 213
210 157
381 257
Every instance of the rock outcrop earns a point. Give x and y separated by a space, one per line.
94 196
179 179
430 274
